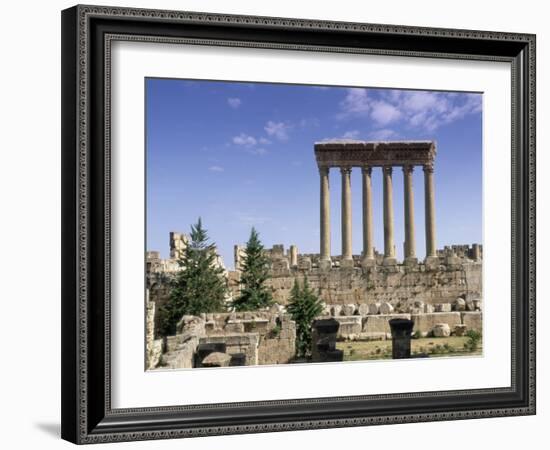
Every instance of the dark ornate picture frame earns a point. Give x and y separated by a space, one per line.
87 34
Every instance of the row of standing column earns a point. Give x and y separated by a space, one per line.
368 241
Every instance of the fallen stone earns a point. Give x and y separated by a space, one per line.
374 308
425 322
380 323
442 307
459 304
441 330
216 359
348 310
460 330
363 309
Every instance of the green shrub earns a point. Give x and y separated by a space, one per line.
474 339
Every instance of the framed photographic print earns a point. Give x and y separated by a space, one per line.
280 224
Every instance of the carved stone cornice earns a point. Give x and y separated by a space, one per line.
374 154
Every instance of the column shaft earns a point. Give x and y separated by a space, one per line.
389 245
325 214
368 243
346 213
410 251
430 210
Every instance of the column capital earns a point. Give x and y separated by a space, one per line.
428 167
387 170
345 170
367 170
323 170
408 168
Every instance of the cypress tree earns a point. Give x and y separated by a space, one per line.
199 287
254 294
304 307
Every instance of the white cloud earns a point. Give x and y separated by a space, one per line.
234 102
423 110
216 169
355 103
384 113
244 139
278 130
257 151
264 141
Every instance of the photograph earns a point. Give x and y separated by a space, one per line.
297 224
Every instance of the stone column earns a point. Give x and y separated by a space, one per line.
410 251
389 246
325 262
368 242
347 258
293 253
431 253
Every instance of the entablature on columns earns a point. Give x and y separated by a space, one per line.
372 154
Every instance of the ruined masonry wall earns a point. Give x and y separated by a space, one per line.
384 284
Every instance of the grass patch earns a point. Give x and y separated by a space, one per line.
433 347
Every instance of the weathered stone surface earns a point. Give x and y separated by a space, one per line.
460 330
216 359
278 346
459 304
348 310
374 308
348 325
192 325
473 320
442 307
380 323
425 322
441 330
386 308
336 310
246 343
363 309
234 326
428 309
180 352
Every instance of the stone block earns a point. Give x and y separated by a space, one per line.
336 310
424 323
349 325
386 308
216 359
234 326
348 310
380 323
460 330
442 307
441 330
304 263
459 304
428 309
472 320
363 309
374 308
347 264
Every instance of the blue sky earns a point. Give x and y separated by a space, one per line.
241 155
